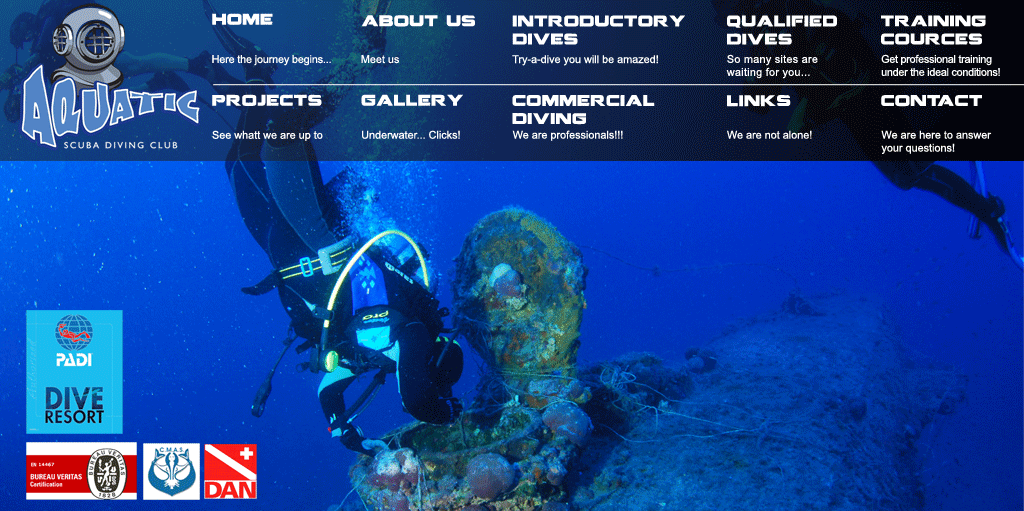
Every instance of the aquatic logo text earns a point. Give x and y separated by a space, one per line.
90 38
61 116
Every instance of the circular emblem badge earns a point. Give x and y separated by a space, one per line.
73 332
107 474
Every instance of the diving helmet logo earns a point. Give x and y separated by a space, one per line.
90 40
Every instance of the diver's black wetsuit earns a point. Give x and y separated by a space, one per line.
37 30
945 183
383 317
844 56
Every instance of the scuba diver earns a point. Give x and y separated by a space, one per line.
38 30
844 58
847 61
973 198
361 303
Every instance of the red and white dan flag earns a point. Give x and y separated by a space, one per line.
230 471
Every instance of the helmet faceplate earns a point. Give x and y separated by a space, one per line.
90 40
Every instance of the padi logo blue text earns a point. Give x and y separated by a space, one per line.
61 116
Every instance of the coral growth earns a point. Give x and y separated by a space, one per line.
811 411
700 360
556 473
796 304
541 392
489 475
507 284
391 501
509 462
566 420
632 384
395 470
518 290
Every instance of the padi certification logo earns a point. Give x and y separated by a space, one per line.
74 333
74 368
90 39
171 474
107 474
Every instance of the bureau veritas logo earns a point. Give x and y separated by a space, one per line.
81 471
107 474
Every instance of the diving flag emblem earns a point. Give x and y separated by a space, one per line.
230 471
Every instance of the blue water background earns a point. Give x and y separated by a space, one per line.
164 243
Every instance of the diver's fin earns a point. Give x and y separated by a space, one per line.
374 36
202 65
796 121
228 39
978 182
165 80
1002 233
373 7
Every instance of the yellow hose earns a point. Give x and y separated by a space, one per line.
352 262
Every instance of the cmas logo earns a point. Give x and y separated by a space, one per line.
107 474
171 470
90 39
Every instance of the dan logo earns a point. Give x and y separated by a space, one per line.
171 474
230 471
90 39
107 474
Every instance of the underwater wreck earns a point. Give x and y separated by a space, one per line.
815 406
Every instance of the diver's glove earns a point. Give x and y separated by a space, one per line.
352 439
166 80
375 444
